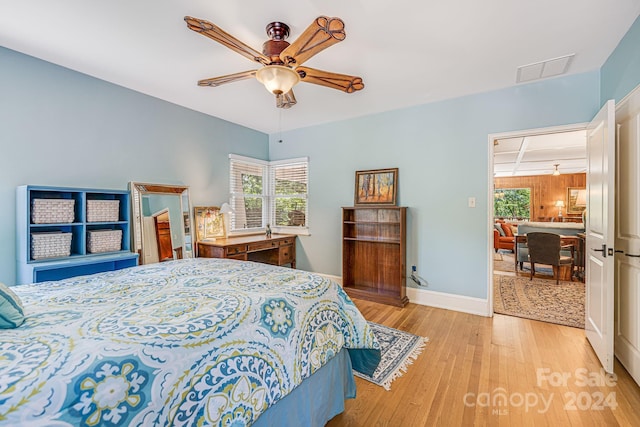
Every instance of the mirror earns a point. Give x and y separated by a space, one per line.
161 222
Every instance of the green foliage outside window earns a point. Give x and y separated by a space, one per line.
289 209
252 184
512 203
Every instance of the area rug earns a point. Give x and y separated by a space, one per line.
505 261
539 299
398 350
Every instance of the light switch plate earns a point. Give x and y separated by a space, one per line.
472 202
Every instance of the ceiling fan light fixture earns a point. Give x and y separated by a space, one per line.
277 79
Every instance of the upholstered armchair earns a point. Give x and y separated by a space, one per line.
544 248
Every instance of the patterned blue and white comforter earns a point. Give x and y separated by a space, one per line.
179 343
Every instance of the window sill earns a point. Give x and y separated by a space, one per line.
299 231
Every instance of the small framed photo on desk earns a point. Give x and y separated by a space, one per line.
209 223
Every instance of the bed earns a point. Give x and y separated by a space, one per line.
189 342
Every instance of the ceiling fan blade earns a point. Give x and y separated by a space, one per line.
321 34
229 78
216 33
341 82
286 100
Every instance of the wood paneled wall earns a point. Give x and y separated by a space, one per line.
545 191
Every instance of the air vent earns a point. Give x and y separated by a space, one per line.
544 69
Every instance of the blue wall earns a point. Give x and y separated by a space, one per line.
441 150
620 74
62 128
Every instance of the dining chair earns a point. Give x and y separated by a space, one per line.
544 248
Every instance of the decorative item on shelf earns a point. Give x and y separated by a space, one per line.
52 211
103 210
209 223
268 233
556 172
104 241
376 187
226 210
560 205
50 244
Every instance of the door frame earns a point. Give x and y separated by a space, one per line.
513 134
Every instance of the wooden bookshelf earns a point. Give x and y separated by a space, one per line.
373 253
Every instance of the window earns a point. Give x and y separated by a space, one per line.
512 203
248 197
289 180
274 193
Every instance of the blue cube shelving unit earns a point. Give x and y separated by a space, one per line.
80 261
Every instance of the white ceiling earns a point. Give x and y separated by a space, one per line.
538 154
408 52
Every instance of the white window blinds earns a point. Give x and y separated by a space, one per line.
274 193
247 180
290 181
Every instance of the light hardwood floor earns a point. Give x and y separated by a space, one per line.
473 361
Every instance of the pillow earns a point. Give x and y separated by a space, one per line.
499 228
11 311
507 229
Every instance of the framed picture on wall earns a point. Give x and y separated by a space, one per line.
576 200
376 187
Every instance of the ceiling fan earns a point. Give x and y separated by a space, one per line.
282 61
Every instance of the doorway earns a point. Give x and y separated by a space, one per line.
529 160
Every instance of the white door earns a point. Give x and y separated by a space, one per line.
627 292
600 234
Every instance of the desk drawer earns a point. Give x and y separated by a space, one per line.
286 254
258 246
236 249
287 241
207 251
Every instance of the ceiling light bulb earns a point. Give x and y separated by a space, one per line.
556 172
277 78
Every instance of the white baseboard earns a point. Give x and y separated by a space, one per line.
454 302
334 278
447 301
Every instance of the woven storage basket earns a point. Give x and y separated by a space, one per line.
104 241
50 244
103 210
52 211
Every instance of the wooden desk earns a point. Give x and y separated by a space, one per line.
280 249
